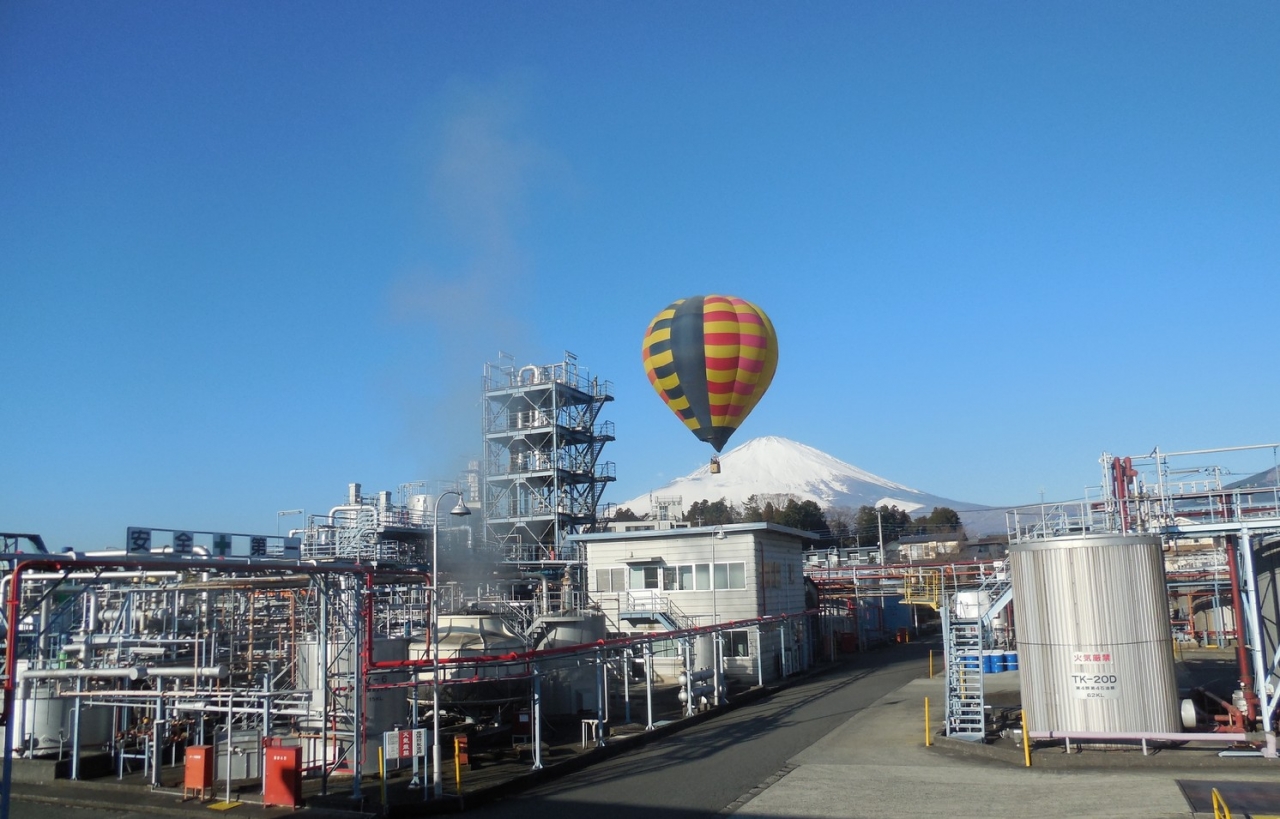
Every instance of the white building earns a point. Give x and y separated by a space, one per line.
666 580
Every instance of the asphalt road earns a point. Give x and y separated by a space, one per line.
702 770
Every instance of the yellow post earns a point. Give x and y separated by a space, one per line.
930 666
928 737
457 767
382 772
1026 739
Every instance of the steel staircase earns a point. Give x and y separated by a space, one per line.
962 640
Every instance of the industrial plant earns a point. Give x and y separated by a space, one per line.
390 627
401 626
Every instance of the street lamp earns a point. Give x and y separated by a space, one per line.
437 784
716 534
286 513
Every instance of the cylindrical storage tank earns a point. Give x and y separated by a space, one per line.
1094 644
45 721
972 604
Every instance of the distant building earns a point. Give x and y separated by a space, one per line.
920 548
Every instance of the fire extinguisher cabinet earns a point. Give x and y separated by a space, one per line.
282 776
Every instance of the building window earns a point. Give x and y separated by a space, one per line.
644 577
737 644
611 580
685 577
698 576
731 575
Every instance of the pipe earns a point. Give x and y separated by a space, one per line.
217 672
1137 736
1242 657
131 673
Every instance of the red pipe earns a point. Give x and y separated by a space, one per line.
616 642
1246 676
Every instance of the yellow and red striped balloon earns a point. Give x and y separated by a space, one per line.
710 359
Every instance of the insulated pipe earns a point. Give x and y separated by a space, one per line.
537 719
131 673
1137 736
217 672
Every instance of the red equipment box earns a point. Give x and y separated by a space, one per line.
198 771
282 776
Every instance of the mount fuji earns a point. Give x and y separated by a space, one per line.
773 466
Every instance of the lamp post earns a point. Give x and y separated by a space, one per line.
437 784
286 513
716 534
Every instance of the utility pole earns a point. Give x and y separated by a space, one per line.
880 526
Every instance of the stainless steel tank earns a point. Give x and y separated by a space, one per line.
1094 637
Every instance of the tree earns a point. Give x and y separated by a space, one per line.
806 515
843 523
710 513
625 515
751 510
895 523
942 520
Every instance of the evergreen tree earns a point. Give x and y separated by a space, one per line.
806 515
710 513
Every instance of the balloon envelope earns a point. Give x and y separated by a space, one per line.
710 359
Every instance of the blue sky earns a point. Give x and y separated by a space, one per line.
252 252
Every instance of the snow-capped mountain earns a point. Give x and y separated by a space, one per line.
778 466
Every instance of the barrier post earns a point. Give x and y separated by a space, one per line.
1026 740
382 772
928 738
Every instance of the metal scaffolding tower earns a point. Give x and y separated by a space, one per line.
543 476
962 637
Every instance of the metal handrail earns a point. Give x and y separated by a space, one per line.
1220 809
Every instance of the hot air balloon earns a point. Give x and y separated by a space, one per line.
710 359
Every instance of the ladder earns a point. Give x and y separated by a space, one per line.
962 640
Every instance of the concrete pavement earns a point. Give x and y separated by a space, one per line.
877 765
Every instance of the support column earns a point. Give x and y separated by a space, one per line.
648 684
537 719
